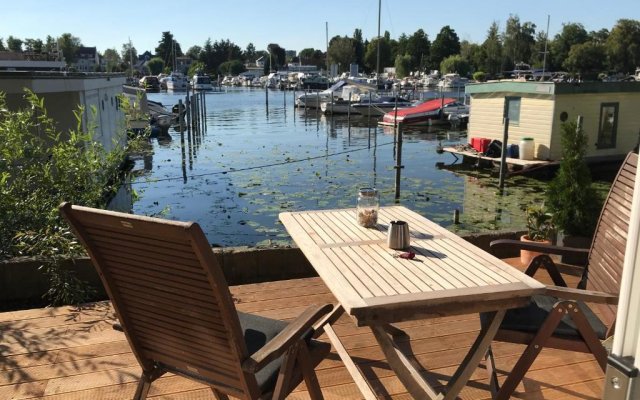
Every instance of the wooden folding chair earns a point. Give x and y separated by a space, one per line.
177 314
561 319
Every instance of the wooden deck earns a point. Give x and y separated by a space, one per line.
65 353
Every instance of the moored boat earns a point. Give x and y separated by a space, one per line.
428 113
177 82
201 81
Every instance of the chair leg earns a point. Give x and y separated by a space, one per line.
589 336
144 384
286 369
533 349
309 374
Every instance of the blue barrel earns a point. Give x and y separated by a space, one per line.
513 151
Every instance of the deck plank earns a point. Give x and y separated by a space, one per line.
66 353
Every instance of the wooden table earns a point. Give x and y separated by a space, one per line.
376 288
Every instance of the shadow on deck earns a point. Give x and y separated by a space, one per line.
70 353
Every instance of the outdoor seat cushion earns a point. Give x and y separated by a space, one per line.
257 332
530 318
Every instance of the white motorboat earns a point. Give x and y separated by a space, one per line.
201 81
313 100
452 81
177 82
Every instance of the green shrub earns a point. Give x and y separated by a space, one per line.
40 167
571 197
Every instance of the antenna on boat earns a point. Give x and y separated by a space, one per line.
546 41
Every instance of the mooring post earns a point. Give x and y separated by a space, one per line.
398 165
503 158
180 118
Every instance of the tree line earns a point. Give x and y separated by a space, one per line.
588 54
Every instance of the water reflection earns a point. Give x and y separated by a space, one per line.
252 162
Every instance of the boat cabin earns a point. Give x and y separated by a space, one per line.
537 110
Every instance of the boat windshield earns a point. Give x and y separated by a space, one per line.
203 79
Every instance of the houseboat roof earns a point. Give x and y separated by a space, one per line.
551 88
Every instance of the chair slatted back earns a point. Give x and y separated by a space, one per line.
169 293
606 256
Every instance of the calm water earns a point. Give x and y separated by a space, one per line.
254 162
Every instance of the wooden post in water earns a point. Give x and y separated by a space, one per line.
398 165
503 158
349 112
187 111
266 94
204 111
180 118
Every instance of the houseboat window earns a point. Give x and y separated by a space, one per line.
512 111
608 125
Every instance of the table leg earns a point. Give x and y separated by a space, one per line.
405 369
352 368
473 357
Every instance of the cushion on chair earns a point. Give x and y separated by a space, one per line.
530 318
257 332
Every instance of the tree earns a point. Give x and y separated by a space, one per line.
492 51
194 52
50 44
306 55
113 60
358 46
587 59
277 55
128 53
419 48
403 65
250 53
2 48
446 44
156 65
14 44
518 40
371 54
33 45
623 46
455 63
571 34
341 52
69 46
233 67
196 66
473 53
600 36
168 48
570 195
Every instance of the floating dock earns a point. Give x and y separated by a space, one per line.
515 165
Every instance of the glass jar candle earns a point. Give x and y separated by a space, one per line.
367 208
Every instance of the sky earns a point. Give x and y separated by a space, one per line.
294 25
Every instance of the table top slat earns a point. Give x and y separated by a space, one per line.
447 276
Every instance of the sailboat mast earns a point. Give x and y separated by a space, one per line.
379 39
546 40
326 33
130 59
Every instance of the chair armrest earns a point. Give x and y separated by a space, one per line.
588 296
539 247
277 346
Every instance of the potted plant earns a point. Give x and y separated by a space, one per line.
540 229
571 197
